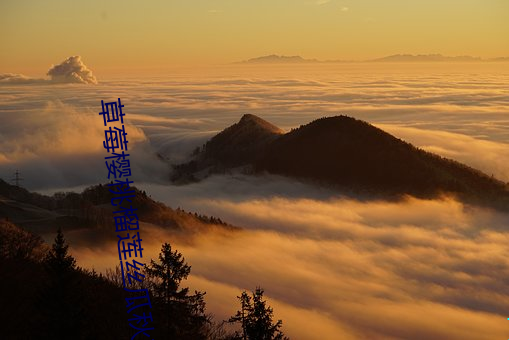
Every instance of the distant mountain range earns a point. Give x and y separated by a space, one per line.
344 153
426 58
280 59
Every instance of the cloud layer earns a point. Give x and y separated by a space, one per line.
458 112
340 268
18 79
61 145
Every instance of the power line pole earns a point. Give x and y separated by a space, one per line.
17 178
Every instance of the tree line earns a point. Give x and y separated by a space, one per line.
53 298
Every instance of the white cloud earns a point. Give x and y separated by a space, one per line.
72 70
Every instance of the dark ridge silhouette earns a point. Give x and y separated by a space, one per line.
352 156
90 209
235 146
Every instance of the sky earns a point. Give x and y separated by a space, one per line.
133 36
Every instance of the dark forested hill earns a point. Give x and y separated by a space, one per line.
90 209
348 154
238 143
235 146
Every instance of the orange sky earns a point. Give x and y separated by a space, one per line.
134 35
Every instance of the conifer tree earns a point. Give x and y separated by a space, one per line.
255 318
180 315
61 299
58 259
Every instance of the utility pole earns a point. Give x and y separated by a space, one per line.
17 178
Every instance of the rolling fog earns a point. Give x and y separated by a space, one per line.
331 266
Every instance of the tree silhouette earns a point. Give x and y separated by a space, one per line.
180 315
61 298
255 318
58 259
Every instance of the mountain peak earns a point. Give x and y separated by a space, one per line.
249 117
238 145
254 122
241 141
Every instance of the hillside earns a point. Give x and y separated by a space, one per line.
90 209
41 303
352 156
235 146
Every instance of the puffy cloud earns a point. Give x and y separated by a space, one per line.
72 70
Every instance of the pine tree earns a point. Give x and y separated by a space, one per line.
180 315
255 318
61 299
58 260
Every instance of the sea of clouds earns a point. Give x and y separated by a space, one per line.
332 267
336 268
459 112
